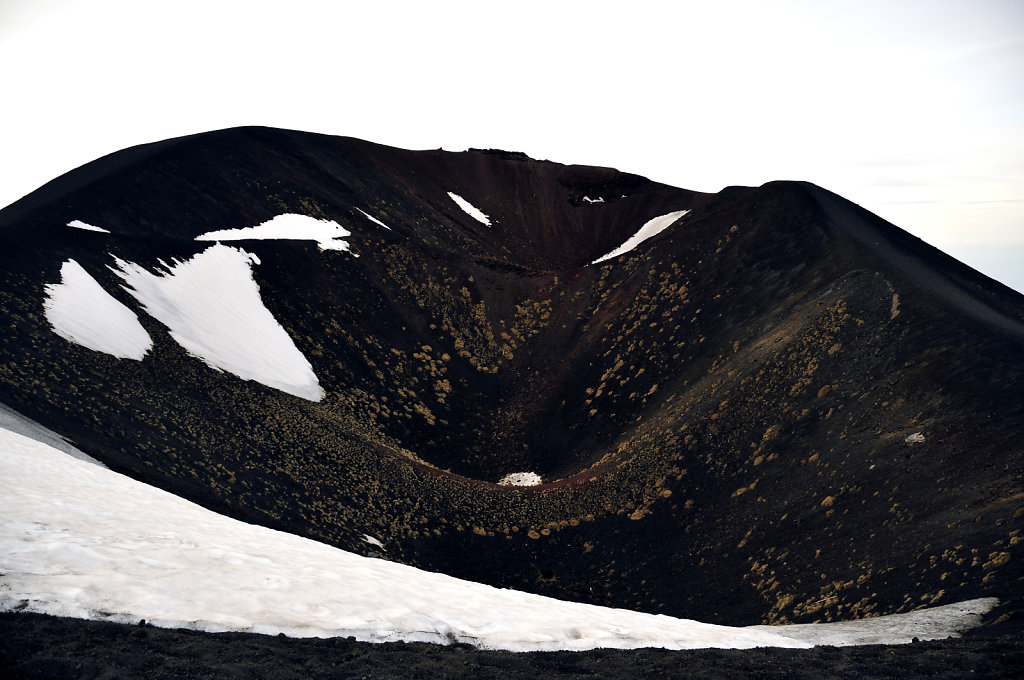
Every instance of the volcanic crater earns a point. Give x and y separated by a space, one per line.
779 408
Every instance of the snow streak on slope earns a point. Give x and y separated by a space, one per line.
328 234
373 219
211 305
651 228
79 540
81 311
470 209
79 224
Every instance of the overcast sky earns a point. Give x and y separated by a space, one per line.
914 109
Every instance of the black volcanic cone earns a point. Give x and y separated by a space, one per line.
781 408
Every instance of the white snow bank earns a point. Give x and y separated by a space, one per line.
328 234
373 219
80 310
520 479
651 228
78 540
934 623
470 209
211 305
79 224
588 199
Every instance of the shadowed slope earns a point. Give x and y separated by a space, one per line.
724 417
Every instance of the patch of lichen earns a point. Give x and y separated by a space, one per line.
452 309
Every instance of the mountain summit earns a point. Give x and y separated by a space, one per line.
762 405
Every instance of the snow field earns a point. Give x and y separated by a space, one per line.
211 306
79 310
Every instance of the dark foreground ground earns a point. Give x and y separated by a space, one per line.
36 646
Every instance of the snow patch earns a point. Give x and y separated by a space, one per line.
373 219
651 228
328 234
212 307
470 209
520 479
588 199
78 224
373 541
79 310
916 438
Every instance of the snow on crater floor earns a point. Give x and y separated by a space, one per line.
79 310
80 540
651 228
470 209
520 479
328 234
212 307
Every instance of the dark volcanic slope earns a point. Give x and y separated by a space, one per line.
721 415
36 646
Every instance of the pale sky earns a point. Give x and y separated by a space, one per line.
913 109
